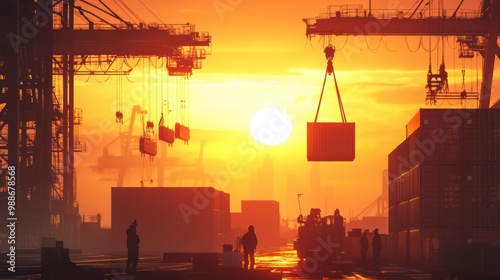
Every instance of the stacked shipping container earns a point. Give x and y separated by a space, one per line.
444 184
174 219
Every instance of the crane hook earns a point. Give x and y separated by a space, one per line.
329 52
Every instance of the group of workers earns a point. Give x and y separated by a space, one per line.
376 247
249 244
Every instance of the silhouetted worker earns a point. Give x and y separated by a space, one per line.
363 241
376 247
133 247
337 218
249 242
338 222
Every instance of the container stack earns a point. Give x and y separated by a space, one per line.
444 184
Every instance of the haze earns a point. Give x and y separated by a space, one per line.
260 58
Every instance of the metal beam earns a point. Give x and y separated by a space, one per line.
135 42
396 26
489 57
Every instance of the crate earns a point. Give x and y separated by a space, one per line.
147 146
231 259
328 141
166 134
182 132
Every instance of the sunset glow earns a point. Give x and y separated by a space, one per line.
260 58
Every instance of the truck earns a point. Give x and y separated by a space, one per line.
320 236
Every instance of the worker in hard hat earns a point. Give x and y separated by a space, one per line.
249 243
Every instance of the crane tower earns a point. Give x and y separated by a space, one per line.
39 41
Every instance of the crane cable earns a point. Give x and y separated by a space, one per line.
188 99
373 49
131 11
408 44
328 70
161 122
345 42
119 6
430 55
145 6
386 47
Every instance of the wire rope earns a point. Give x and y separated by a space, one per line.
189 104
431 49
345 42
408 45
376 48
387 47
131 11
128 15
151 11
448 42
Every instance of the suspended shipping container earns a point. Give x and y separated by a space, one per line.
147 146
182 132
330 141
166 134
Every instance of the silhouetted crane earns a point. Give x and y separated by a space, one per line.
478 33
39 40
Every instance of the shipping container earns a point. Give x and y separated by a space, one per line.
403 213
403 254
393 223
414 182
413 124
444 185
330 141
147 146
182 132
267 229
399 160
166 134
170 219
393 249
415 247
414 215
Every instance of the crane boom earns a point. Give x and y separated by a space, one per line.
396 26
360 22
131 42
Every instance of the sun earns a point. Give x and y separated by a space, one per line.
270 126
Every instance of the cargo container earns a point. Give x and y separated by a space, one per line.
172 219
264 215
329 141
444 185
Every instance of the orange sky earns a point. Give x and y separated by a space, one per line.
261 57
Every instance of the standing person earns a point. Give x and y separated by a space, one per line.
249 242
133 247
363 241
376 247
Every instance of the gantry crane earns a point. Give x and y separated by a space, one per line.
478 33
39 40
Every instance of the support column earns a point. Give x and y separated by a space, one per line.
489 58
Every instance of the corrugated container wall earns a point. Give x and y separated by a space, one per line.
444 184
330 141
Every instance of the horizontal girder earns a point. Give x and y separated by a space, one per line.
396 26
133 42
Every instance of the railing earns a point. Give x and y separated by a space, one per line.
176 29
79 146
359 11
